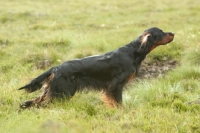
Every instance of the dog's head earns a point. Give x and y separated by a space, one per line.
153 37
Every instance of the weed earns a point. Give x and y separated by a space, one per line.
179 106
192 56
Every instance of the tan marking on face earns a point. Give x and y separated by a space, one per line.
167 39
153 47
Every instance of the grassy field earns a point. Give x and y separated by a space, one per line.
34 32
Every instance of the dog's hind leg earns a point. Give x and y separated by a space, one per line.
41 100
44 98
59 87
62 87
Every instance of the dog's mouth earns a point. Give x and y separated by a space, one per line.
170 40
167 39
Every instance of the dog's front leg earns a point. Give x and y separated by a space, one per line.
113 98
113 95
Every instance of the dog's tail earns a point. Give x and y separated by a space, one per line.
37 83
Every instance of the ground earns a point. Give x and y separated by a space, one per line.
156 68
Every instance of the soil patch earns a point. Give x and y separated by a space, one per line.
157 68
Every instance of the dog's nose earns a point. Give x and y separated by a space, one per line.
171 33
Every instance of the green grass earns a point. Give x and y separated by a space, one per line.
35 31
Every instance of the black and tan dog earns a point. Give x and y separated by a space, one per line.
107 73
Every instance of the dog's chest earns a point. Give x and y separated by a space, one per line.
130 77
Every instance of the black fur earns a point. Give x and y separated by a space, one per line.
108 72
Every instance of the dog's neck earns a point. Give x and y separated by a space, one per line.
133 49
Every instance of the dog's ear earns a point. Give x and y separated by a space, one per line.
144 39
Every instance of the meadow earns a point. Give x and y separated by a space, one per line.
36 35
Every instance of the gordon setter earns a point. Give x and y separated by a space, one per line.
107 73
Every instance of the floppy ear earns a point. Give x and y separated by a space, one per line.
144 40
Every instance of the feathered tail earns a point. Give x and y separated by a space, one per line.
37 83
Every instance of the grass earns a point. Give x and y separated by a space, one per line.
35 31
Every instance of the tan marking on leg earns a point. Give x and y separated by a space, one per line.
46 95
109 100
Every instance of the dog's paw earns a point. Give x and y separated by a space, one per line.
26 104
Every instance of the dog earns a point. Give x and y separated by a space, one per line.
107 73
